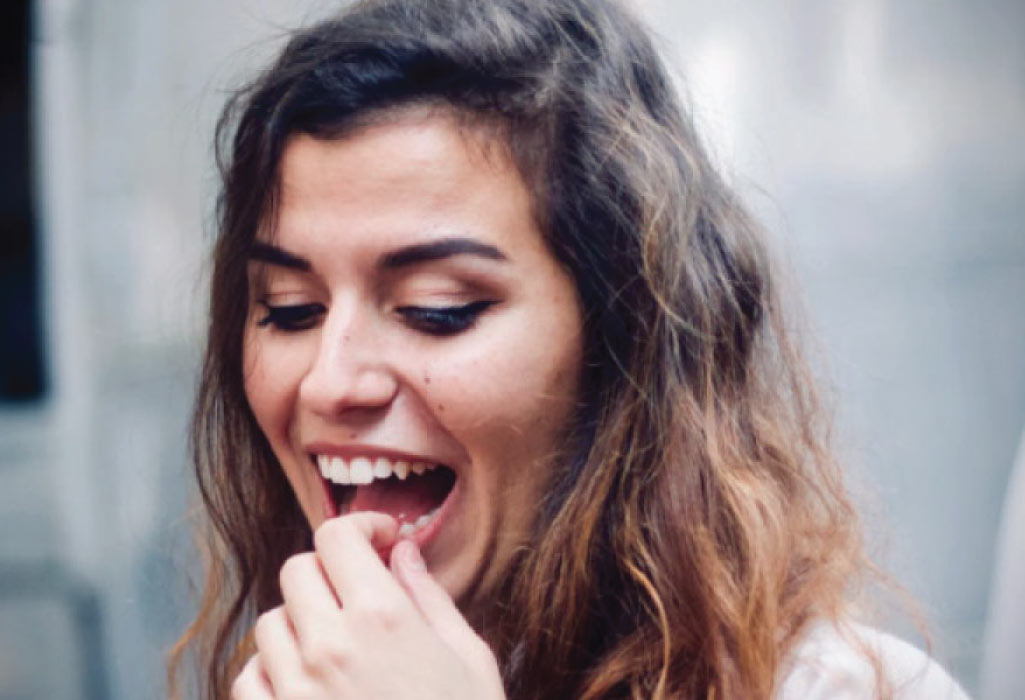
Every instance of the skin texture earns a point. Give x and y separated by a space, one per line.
362 373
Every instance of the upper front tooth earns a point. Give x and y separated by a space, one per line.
361 471
324 463
401 469
382 468
339 471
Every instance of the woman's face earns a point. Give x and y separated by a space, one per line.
407 317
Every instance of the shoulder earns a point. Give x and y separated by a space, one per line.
828 663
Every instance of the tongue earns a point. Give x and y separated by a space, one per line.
405 500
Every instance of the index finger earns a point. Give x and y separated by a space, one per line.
351 548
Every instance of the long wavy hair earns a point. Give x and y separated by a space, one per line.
698 523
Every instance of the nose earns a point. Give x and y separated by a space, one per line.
349 373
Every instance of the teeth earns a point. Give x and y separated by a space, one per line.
407 529
382 468
339 472
361 470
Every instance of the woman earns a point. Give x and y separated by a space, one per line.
498 400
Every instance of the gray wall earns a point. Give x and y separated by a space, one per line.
882 142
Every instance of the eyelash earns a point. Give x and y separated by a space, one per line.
297 317
446 320
440 321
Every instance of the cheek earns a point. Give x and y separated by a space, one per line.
509 398
538 370
271 381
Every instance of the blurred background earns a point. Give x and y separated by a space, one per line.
881 141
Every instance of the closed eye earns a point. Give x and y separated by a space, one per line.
443 320
294 317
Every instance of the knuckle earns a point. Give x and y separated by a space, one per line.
379 613
331 530
296 689
267 623
294 567
322 653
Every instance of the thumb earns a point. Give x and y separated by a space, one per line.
433 601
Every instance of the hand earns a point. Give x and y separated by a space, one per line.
351 628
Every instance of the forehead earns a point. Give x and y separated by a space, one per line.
415 173
400 142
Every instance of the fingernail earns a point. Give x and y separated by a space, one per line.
413 557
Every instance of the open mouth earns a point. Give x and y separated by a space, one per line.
410 491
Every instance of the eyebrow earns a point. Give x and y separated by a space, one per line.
410 255
265 252
439 250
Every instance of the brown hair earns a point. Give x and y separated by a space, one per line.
699 522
